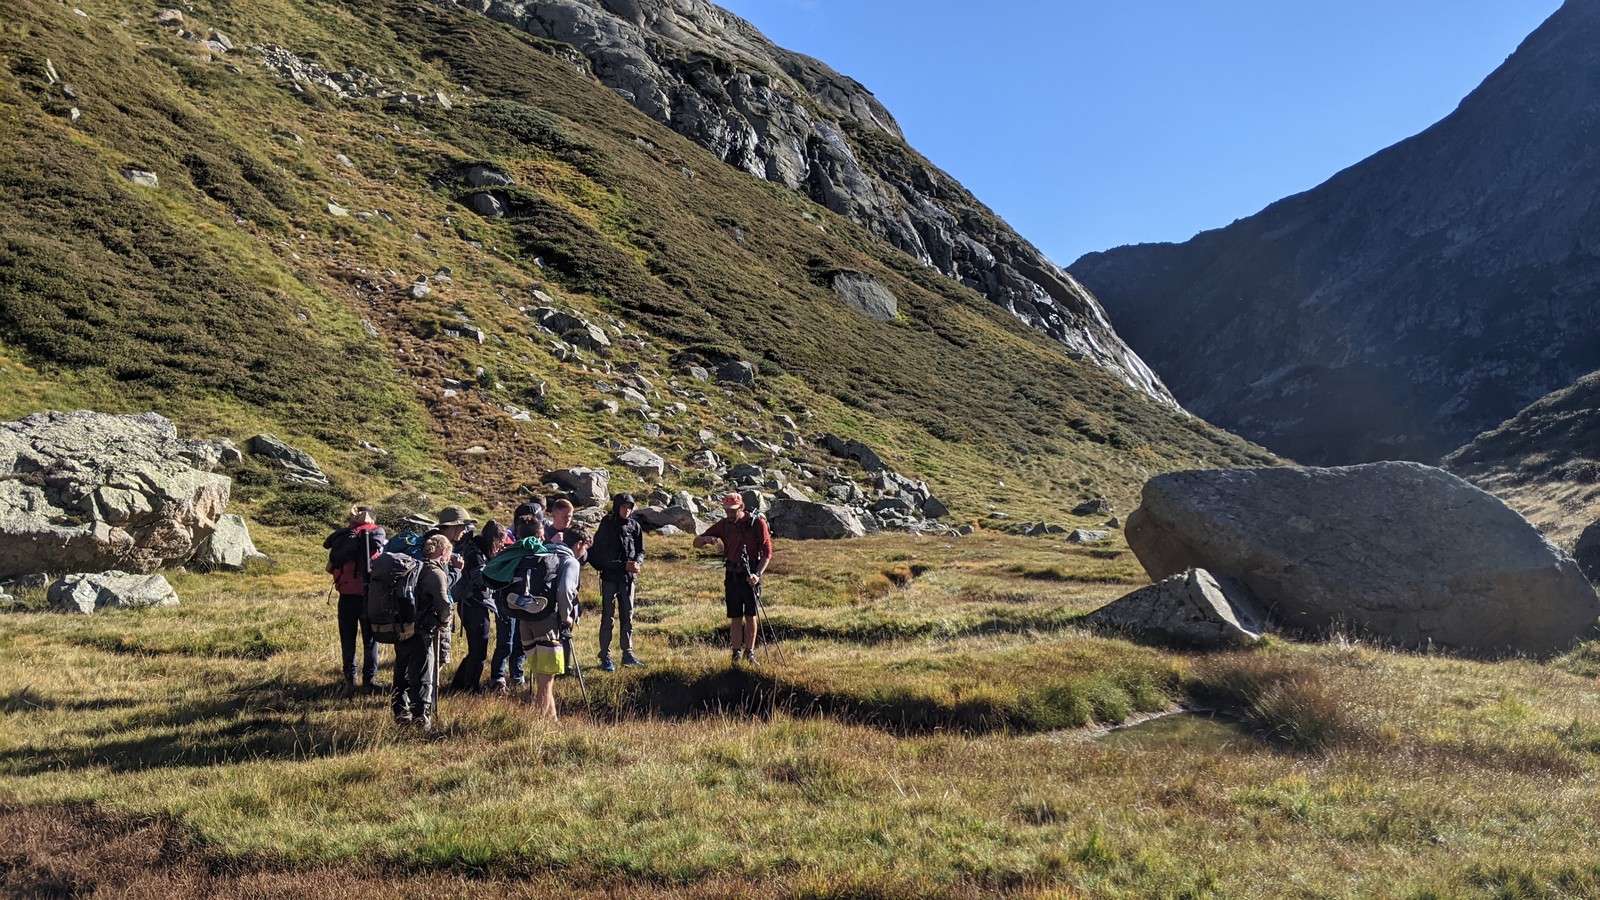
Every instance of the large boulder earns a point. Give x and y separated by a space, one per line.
642 462
586 487
1400 551
84 491
865 295
804 520
1587 552
656 518
85 593
228 548
1192 610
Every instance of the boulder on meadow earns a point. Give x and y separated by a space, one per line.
1403 552
86 593
866 295
1083 536
1587 552
804 520
85 491
1191 610
229 547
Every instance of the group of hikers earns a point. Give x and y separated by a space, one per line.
513 589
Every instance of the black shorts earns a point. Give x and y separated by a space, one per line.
743 600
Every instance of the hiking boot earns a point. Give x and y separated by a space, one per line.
500 687
628 659
403 721
370 685
607 666
735 660
750 657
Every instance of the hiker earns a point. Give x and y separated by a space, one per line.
618 553
557 530
414 656
456 526
350 552
542 638
506 669
475 603
747 549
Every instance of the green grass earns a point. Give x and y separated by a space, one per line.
958 762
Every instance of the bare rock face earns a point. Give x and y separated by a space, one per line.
1189 610
229 548
787 118
85 491
1399 551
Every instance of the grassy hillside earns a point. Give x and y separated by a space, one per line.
235 298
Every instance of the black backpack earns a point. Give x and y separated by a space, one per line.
392 597
532 594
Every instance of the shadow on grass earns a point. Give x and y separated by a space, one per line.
682 694
270 720
888 630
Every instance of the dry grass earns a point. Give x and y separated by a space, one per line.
1357 771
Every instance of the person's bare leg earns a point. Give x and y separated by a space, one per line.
544 695
736 633
749 632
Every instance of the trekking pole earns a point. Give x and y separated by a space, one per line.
437 630
582 688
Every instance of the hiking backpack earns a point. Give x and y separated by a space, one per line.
392 597
531 595
406 542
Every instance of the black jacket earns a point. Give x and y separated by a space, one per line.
616 542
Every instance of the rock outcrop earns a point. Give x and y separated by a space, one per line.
792 120
1403 552
1192 610
85 491
228 548
1410 302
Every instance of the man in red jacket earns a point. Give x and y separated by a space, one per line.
350 553
747 549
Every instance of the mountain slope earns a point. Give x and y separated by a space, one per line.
1411 301
310 263
792 120
1544 461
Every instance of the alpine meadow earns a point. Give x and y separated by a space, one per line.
267 268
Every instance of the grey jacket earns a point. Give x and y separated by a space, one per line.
548 629
433 596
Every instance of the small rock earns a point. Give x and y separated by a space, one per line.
171 18
420 289
1080 536
141 177
1096 507
336 210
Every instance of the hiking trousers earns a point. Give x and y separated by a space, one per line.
616 605
508 652
353 619
413 677
475 621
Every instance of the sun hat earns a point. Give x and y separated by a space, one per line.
455 515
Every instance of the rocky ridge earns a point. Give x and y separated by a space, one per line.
1411 301
792 120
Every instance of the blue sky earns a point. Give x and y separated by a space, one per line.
1088 124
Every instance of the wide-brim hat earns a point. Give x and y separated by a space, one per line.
455 515
733 501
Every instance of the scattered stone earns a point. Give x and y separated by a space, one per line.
1096 507
1190 610
852 449
934 508
221 40
296 464
487 205
420 288
866 295
481 176
737 372
705 460
141 177
804 520
171 18
585 487
336 210
642 461
1399 551
697 373
86 593
609 407
1080 536
573 329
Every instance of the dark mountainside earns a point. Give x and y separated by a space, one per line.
1544 461
1410 302
792 120
438 254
